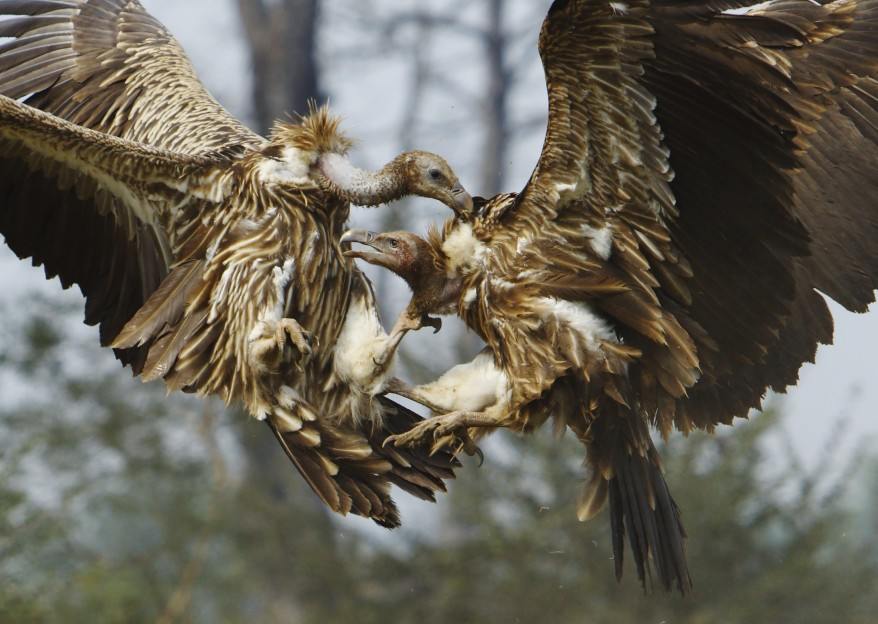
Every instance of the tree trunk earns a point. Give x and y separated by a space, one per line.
282 37
496 105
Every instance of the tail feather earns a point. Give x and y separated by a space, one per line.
353 474
626 471
642 506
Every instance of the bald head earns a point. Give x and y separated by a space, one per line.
429 175
406 254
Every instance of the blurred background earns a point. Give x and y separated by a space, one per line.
119 504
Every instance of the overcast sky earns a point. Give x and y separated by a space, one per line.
843 382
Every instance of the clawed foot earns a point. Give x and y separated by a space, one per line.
301 339
270 339
440 432
404 324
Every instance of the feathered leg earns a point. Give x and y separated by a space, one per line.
404 324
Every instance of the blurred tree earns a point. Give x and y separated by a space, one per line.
121 504
762 549
133 508
282 40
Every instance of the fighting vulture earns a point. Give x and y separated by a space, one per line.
709 170
208 254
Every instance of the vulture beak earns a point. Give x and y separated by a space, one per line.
462 200
364 237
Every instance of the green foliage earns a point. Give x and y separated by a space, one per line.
119 504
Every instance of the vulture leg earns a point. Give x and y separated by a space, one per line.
445 429
290 328
404 324
465 443
399 387
269 341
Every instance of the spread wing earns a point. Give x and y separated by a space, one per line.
719 161
95 209
109 66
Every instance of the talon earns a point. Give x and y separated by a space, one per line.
440 445
472 450
481 456
432 321
301 338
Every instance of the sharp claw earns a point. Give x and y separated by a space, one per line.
475 450
431 321
437 446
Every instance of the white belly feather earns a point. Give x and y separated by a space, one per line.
470 387
361 341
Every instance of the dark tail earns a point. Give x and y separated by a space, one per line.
627 470
642 506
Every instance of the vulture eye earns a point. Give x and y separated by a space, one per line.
435 174
394 244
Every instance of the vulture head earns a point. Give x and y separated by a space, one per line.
429 175
421 263
411 173
406 254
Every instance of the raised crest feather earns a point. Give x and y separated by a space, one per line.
317 132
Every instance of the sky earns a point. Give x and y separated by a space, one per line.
370 96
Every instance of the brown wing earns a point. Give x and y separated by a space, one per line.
109 66
95 209
352 473
730 154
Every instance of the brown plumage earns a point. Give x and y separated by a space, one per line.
708 167
207 254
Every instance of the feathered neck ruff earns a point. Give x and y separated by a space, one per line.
318 132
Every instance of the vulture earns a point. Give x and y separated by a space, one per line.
708 176
207 254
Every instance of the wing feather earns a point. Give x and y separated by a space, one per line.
109 65
730 149
93 209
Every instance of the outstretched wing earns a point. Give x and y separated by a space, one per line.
719 160
110 66
95 209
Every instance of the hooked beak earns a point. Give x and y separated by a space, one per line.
358 236
463 200
364 237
